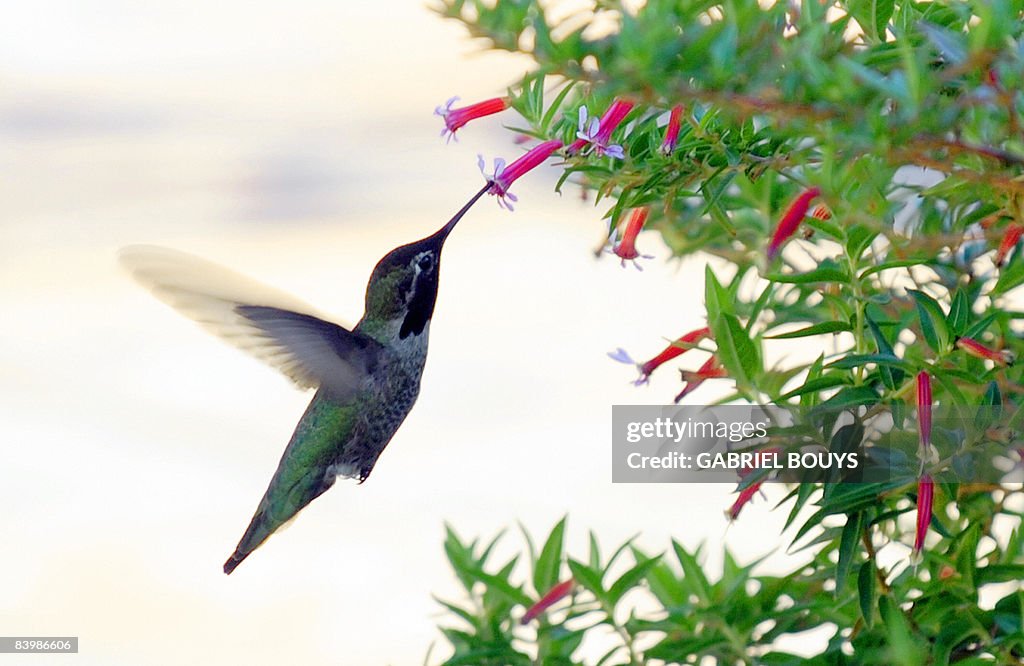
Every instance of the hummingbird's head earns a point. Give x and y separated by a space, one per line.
403 285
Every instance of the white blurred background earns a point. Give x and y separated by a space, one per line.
294 142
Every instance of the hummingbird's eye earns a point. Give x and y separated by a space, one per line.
426 262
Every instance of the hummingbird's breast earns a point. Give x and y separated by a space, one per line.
392 392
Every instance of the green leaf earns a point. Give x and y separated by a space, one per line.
827 271
588 578
735 350
903 647
847 547
500 583
889 265
979 327
872 15
693 573
1010 277
631 579
956 630
933 321
891 377
466 615
850 397
816 385
662 581
816 329
716 298
858 238
556 106
803 493
546 571
948 43
759 304
959 313
881 360
825 227
866 584
999 573
459 556
618 551
991 406
713 199
810 398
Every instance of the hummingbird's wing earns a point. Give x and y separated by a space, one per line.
267 323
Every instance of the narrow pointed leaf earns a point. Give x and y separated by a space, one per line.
546 571
866 592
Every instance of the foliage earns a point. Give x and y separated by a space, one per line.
665 608
905 116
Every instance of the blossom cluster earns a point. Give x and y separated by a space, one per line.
607 136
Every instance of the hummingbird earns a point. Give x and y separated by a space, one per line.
366 379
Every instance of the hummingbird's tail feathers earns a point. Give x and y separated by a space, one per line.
269 324
290 491
260 528
250 538
233 561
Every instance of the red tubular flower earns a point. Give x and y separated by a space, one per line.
926 451
678 347
599 132
710 370
668 144
456 118
625 248
504 176
925 496
791 219
1010 239
978 350
742 499
553 595
576 146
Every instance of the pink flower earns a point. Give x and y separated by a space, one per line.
676 348
925 496
504 176
742 499
926 451
552 596
710 370
791 219
599 132
456 118
978 350
625 248
668 144
1010 239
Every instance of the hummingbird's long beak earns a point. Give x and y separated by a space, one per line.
443 232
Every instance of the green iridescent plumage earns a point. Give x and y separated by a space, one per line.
366 379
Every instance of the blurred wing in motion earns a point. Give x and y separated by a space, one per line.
269 324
